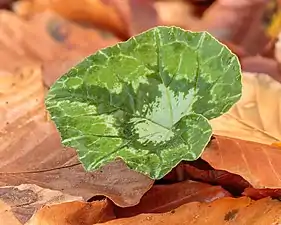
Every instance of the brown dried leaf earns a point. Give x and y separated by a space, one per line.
220 212
255 193
262 66
256 116
137 15
231 182
228 19
95 12
257 163
48 40
6 215
163 198
74 213
26 199
5 3
30 149
143 16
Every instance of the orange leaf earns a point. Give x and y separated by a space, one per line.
262 193
74 213
276 144
257 163
6 215
91 11
59 43
220 212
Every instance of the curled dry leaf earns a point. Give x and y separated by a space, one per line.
256 116
163 198
27 137
257 163
233 182
262 193
74 213
220 212
26 199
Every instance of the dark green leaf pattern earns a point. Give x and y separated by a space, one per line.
146 100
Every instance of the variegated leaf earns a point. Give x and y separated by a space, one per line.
146 100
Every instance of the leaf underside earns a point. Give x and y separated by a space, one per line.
146 100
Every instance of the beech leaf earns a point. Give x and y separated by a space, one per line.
146 100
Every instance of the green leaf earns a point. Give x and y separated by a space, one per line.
146 100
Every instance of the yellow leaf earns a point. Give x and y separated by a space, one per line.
274 26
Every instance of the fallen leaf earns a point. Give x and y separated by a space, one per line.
231 182
260 66
74 213
59 43
256 116
227 20
220 212
143 16
257 163
136 15
95 12
26 199
30 149
254 193
276 144
6 215
163 198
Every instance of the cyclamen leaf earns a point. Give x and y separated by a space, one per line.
146 100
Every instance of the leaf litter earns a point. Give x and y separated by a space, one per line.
213 176
24 200
20 164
